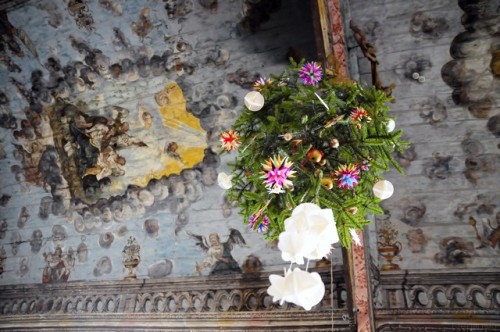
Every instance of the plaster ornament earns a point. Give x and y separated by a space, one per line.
391 125
224 181
254 101
383 189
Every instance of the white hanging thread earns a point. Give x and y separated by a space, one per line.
322 101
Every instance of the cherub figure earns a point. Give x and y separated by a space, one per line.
58 266
218 255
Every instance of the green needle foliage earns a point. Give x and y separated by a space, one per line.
292 122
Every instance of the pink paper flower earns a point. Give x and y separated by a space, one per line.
347 176
310 73
276 173
260 84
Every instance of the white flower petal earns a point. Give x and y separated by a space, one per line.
278 289
308 288
295 246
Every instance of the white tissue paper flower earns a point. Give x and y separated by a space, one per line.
302 288
310 222
224 180
294 246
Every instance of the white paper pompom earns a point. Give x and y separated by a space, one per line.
383 189
254 101
224 181
390 125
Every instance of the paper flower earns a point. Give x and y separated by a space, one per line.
295 246
359 114
309 232
230 140
365 166
310 73
263 225
302 288
347 176
224 180
260 84
276 173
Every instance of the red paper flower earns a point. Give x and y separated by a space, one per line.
230 140
359 114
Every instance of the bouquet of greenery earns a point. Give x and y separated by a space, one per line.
307 137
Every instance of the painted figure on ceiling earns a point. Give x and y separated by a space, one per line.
58 266
218 256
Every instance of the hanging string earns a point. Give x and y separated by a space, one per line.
331 284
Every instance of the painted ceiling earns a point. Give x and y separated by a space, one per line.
111 113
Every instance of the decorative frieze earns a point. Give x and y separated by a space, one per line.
459 298
199 303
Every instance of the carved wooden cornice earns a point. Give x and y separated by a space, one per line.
459 300
232 302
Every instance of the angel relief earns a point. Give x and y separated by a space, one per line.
218 256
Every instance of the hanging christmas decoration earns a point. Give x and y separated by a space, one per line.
254 101
391 125
230 140
383 189
314 140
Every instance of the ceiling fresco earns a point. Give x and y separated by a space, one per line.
110 117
